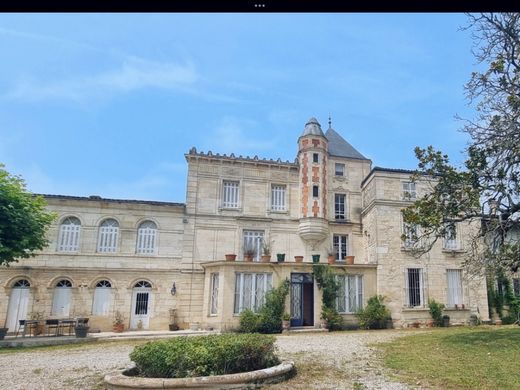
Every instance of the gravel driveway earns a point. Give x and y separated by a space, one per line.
339 360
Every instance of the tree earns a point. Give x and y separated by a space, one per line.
23 220
487 189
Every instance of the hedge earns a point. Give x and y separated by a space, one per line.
183 357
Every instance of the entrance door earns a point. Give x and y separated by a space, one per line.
140 316
18 302
302 300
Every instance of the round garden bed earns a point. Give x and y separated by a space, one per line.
227 361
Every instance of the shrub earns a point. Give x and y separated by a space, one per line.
374 315
183 357
436 309
326 280
269 317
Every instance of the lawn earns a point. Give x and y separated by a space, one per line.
484 357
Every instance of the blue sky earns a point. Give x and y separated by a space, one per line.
96 104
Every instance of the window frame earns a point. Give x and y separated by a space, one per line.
257 237
102 291
234 203
104 234
148 236
256 298
213 298
315 158
410 243
344 300
337 207
419 291
315 190
278 194
450 297
450 239
70 233
343 167
340 244
408 193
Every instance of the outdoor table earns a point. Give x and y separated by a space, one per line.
66 323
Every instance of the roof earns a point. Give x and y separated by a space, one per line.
340 148
390 170
312 127
100 199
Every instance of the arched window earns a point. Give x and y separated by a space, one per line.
68 237
22 283
61 298
146 237
108 236
142 283
102 298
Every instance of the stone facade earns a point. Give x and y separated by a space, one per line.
168 258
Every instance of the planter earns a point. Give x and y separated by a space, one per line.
127 379
248 258
324 324
331 259
118 328
173 327
445 321
3 332
298 259
350 260
266 258
473 320
498 322
81 331
280 257
315 258
286 324
231 257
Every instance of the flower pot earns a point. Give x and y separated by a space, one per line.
81 331
324 324
298 259
331 259
118 328
315 258
231 257
445 321
173 327
350 260
248 258
286 324
280 257
3 332
266 258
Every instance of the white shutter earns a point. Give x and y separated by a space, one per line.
61 302
101 303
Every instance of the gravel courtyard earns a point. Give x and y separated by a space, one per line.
340 360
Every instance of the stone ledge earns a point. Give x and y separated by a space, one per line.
243 380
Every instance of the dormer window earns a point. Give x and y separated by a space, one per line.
315 158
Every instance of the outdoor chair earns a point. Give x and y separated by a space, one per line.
67 323
21 327
52 324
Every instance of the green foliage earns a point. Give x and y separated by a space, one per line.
326 280
375 315
23 220
182 357
436 309
269 317
507 298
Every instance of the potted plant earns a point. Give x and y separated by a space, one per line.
315 258
39 327
231 257
266 252
286 321
249 252
298 259
280 257
118 325
81 328
350 260
331 255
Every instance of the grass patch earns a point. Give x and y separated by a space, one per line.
458 358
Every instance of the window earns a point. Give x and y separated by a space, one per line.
516 286
68 237
340 245
414 287
250 290
315 158
408 190
339 169
278 197
102 298
350 294
339 206
315 191
450 237
146 237
22 283
108 236
230 197
253 240
411 235
61 299
214 294
454 287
